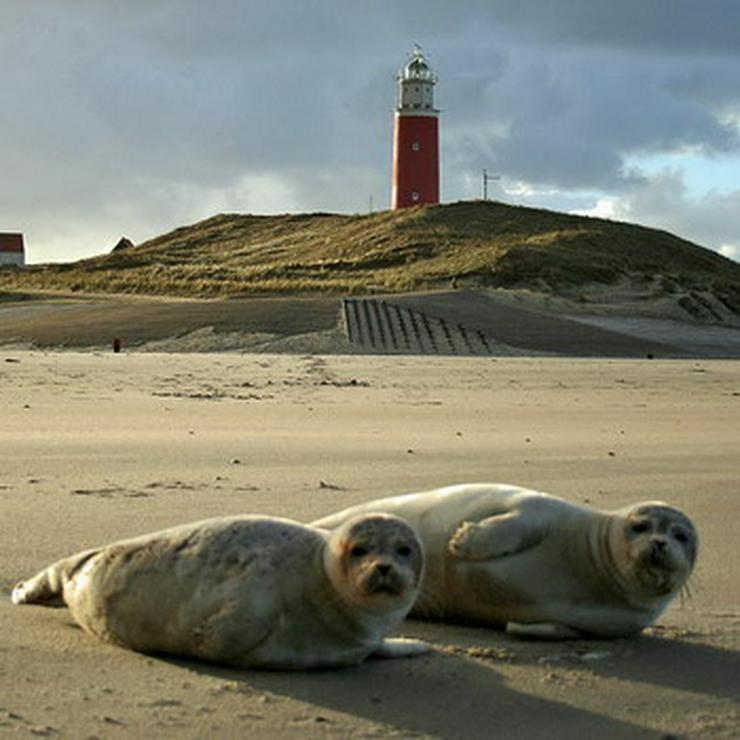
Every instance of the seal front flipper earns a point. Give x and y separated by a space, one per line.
496 537
542 631
233 631
401 647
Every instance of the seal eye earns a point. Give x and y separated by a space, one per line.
358 551
681 537
404 551
640 527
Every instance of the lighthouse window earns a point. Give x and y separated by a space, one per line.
416 146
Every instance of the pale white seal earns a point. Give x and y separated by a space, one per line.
539 565
248 591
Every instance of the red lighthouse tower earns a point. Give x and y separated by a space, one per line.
416 136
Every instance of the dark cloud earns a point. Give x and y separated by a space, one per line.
655 26
570 118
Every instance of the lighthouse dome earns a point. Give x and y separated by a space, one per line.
418 68
416 83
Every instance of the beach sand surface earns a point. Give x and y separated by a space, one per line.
99 446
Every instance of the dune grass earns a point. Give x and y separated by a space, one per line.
472 243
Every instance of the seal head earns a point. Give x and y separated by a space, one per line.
657 547
376 561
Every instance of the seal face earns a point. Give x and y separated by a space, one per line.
249 591
661 544
380 559
541 566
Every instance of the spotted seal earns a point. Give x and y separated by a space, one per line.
258 592
538 565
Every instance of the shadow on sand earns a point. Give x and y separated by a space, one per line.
442 695
660 661
451 695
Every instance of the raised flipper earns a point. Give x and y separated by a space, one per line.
542 631
496 537
401 647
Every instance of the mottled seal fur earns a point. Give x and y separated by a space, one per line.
541 566
248 591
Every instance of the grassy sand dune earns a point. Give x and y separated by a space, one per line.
476 244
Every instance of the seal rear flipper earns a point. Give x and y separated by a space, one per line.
542 631
401 647
495 537
46 588
40 590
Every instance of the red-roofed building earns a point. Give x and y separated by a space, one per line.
11 250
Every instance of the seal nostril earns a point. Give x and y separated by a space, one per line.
383 569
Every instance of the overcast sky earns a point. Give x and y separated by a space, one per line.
132 118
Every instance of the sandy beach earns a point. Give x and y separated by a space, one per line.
98 446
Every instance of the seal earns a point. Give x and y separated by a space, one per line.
249 591
538 565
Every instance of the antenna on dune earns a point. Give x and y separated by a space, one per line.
486 178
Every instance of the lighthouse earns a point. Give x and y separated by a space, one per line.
416 136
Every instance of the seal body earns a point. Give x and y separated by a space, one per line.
247 591
541 566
